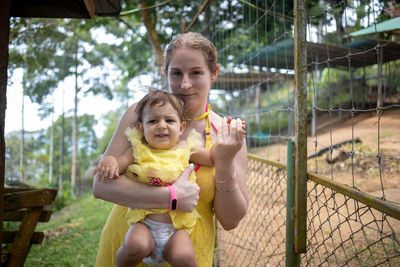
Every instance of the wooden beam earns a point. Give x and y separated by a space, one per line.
9 236
19 215
91 7
29 199
23 239
4 37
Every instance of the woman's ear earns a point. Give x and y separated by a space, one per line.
214 75
139 126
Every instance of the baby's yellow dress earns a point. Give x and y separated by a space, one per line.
203 234
161 167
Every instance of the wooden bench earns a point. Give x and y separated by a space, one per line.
28 206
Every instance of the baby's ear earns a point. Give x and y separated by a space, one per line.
183 126
139 126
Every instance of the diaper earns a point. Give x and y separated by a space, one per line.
161 233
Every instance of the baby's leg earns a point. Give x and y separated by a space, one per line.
179 250
138 244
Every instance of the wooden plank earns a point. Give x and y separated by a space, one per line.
5 255
29 199
8 190
4 38
9 236
22 241
18 215
91 7
49 9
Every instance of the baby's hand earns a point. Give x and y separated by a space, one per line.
108 168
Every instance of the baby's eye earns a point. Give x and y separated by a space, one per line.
152 121
170 120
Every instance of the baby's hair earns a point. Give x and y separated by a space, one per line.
158 97
195 41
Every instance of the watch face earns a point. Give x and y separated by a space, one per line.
173 204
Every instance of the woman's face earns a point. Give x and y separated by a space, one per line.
190 78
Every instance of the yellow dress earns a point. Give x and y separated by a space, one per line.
160 167
203 234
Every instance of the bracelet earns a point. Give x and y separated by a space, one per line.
235 187
224 181
173 198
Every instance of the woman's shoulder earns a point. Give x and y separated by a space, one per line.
129 118
215 119
214 116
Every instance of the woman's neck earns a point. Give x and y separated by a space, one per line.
197 114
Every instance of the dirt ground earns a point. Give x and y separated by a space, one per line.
340 231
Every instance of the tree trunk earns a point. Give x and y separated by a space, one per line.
74 129
21 152
339 17
60 177
157 51
51 145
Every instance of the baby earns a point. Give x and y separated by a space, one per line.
157 157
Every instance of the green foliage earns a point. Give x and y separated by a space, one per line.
37 145
50 50
72 235
111 120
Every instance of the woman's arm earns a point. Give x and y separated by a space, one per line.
126 192
230 156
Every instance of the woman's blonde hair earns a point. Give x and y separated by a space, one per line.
196 41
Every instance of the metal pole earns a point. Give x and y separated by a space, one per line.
292 259
300 64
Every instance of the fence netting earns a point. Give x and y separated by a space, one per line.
340 230
353 119
344 232
260 238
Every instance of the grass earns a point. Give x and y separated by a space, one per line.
72 235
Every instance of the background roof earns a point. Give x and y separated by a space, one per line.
360 53
392 25
64 8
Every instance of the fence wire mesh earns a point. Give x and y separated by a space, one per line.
340 230
353 103
345 232
259 239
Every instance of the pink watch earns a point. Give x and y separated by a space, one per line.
173 198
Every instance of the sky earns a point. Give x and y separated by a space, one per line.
94 105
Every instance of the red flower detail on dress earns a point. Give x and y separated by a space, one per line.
167 184
155 181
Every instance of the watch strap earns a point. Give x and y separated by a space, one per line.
173 198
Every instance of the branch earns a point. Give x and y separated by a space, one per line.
130 12
203 6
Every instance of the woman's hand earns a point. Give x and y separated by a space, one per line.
230 139
187 192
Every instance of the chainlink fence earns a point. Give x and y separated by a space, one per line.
341 231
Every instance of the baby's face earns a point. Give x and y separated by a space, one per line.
161 126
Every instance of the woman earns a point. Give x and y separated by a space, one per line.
191 67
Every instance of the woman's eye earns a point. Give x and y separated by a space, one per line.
176 73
